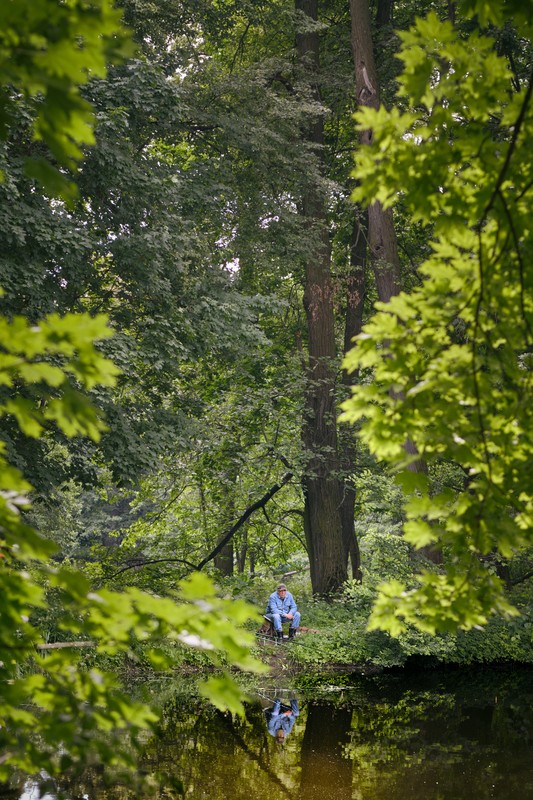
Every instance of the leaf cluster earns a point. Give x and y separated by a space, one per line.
450 360
47 51
56 716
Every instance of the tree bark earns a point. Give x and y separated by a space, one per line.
384 12
381 234
452 11
225 558
321 483
242 552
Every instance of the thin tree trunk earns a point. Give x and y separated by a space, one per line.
225 559
242 552
384 12
452 10
381 233
355 294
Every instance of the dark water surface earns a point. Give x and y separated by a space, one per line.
452 735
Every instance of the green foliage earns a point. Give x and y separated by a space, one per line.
148 243
56 716
69 340
450 364
495 12
500 641
47 51
345 642
349 639
429 728
379 499
386 553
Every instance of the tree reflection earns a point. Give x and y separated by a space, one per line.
388 740
325 772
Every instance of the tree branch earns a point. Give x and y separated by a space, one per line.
147 562
511 148
242 519
522 578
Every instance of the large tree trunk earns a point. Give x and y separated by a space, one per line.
322 485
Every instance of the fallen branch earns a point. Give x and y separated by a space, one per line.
295 572
61 645
140 563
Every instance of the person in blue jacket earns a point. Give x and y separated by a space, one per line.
280 719
281 608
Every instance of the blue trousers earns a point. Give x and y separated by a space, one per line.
279 619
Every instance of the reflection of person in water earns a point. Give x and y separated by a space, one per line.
280 719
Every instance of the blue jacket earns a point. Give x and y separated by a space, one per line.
276 718
281 605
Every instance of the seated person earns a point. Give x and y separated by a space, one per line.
280 719
282 608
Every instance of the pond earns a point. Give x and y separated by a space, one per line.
434 735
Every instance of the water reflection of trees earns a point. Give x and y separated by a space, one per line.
430 739
325 772
447 739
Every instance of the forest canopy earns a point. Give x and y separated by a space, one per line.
203 208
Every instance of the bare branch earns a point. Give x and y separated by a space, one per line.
242 519
147 562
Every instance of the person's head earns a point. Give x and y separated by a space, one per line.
281 590
280 736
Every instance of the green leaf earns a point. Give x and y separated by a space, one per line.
224 693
